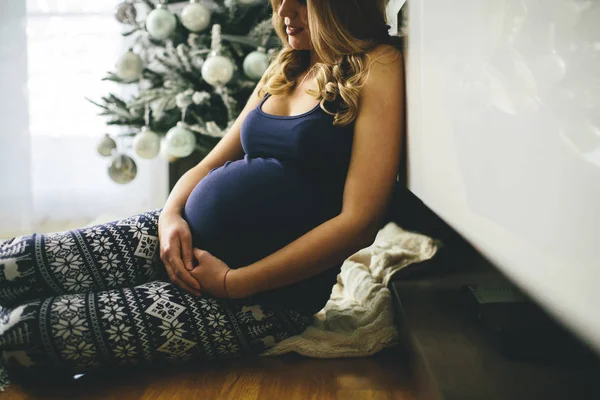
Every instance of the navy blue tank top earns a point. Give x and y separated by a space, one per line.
290 180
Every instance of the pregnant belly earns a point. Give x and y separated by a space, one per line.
247 209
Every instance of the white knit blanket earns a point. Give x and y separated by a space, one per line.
358 319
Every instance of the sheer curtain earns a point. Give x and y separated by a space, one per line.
53 53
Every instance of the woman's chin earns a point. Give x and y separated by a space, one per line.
297 44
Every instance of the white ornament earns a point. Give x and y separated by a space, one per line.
130 66
217 70
160 23
164 151
146 144
122 169
195 17
106 146
256 63
180 141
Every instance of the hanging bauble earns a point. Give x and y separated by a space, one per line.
160 23
126 13
195 16
164 151
122 169
217 70
256 63
180 141
106 145
130 66
146 144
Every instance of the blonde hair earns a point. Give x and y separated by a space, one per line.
342 33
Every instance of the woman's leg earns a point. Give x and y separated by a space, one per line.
153 322
112 255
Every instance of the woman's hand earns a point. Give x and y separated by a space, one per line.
210 273
175 240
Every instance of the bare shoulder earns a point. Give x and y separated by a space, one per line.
385 54
386 68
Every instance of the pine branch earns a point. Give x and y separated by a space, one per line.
115 99
96 104
149 4
115 78
242 40
122 122
131 32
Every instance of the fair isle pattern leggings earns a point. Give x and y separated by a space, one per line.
100 296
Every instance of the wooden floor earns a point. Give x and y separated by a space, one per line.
385 375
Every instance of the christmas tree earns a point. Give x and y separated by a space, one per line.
194 64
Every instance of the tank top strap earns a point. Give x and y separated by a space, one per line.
267 95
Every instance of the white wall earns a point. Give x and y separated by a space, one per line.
504 139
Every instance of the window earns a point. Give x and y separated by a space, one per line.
56 179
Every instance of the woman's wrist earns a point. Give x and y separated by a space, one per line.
172 210
238 284
225 290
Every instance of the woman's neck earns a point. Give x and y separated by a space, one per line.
314 58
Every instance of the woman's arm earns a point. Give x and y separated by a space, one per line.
368 189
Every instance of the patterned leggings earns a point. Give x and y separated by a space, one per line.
100 296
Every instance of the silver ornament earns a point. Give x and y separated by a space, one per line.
180 141
146 144
106 145
122 169
195 16
256 63
130 67
217 70
126 13
160 23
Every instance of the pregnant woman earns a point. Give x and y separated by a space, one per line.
250 241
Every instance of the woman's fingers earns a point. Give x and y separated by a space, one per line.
186 250
187 281
183 274
179 283
177 272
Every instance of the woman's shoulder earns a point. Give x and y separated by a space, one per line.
386 65
384 54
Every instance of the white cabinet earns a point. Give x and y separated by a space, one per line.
504 139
